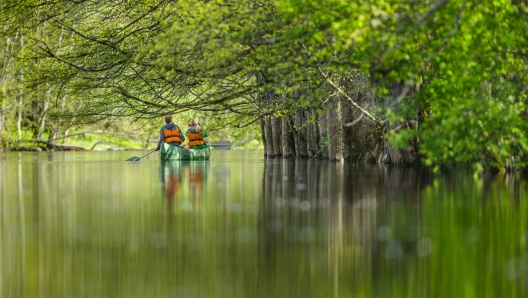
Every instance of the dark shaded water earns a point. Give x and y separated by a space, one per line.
92 225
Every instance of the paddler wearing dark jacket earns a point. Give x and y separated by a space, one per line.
170 133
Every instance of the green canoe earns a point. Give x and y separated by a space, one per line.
169 152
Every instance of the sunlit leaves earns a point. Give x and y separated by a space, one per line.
463 63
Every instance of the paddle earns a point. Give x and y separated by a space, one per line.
221 145
135 158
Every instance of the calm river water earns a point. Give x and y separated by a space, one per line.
90 224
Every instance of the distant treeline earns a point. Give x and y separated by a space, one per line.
400 82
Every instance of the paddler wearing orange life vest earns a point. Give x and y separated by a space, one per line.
170 133
196 135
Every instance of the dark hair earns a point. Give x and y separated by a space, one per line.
168 119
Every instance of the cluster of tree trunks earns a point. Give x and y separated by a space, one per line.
316 135
339 131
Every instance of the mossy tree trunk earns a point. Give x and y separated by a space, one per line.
300 132
351 139
288 146
268 131
263 135
276 128
335 130
314 150
363 136
323 134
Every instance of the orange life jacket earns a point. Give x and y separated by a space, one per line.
171 136
196 139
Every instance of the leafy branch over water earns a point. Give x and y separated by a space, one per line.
447 79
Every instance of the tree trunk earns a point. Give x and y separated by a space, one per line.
276 125
20 97
270 152
54 132
335 130
3 83
43 114
323 134
19 116
67 132
302 145
288 146
313 134
262 134
2 118
351 139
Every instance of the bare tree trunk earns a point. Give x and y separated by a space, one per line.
2 118
335 130
43 114
19 116
346 84
300 128
262 133
270 152
20 97
5 74
288 146
351 139
276 125
67 132
323 133
3 83
295 137
54 132
313 134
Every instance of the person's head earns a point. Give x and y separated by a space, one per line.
168 119
196 123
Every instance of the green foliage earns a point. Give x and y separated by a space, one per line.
449 76
325 142
477 108
463 61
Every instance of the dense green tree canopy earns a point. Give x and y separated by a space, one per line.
460 66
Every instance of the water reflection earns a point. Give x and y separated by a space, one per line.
184 179
237 226
341 217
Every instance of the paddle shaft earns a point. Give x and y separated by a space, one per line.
146 154
133 158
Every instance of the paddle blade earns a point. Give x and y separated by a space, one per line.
135 158
222 145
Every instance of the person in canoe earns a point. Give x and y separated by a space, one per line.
170 133
196 135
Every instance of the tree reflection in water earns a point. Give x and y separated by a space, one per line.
73 226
